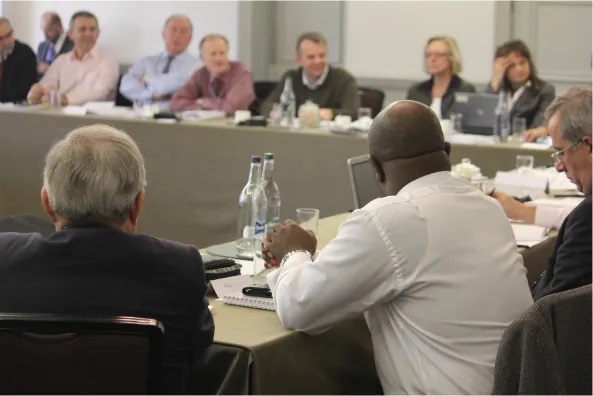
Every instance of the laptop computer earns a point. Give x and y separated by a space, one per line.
363 181
478 110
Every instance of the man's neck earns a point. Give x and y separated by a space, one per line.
57 38
79 54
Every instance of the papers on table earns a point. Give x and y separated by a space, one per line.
466 138
571 202
535 146
521 185
528 235
195 115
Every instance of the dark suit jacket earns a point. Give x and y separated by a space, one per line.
44 46
532 103
547 351
19 73
422 92
570 264
97 270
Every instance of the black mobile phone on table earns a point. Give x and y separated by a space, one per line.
262 290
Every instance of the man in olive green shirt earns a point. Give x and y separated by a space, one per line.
332 88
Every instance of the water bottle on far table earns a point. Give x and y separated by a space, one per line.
252 213
271 191
288 103
502 125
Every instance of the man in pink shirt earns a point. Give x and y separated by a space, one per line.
219 85
84 74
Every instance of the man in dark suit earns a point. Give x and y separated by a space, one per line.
17 65
56 41
95 263
569 124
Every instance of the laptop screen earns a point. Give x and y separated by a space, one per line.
363 181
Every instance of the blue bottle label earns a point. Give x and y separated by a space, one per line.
260 228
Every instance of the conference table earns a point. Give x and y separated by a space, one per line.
196 170
253 353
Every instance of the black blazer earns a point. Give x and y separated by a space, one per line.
422 92
97 270
570 264
19 73
44 46
532 103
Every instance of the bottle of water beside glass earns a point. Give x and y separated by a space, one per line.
252 212
502 126
271 192
288 103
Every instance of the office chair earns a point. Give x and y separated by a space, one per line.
371 98
262 90
121 100
67 354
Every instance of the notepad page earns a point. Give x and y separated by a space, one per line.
248 301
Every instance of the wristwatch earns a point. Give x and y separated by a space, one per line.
290 254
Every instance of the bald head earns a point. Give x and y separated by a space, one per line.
405 129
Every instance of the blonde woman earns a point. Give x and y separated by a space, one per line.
443 63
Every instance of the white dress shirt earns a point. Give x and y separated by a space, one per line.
550 216
436 271
93 78
435 106
317 83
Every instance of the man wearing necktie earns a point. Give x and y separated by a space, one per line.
155 78
220 84
56 41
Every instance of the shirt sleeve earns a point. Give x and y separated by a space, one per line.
185 98
352 274
131 87
239 97
51 78
98 88
168 84
551 217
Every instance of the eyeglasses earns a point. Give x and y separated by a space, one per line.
558 155
7 35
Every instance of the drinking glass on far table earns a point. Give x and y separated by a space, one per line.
456 122
519 127
365 112
308 218
524 162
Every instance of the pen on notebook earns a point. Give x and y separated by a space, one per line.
491 193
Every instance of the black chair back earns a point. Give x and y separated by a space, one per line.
50 354
371 98
121 100
262 90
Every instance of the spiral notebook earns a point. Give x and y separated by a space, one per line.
248 301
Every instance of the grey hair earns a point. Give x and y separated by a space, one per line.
5 20
82 14
94 174
315 37
575 113
179 16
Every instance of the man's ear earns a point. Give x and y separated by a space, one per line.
379 171
46 206
448 148
589 142
137 207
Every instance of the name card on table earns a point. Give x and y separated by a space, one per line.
74 110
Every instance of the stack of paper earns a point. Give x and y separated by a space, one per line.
528 235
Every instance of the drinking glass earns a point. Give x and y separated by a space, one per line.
308 218
524 162
456 122
519 127
365 112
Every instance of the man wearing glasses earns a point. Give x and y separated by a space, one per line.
18 65
569 125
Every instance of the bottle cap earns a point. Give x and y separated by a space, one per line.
269 156
255 159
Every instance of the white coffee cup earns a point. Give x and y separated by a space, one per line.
343 121
242 115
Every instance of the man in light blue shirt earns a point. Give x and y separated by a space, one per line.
154 79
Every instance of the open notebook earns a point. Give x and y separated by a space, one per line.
248 301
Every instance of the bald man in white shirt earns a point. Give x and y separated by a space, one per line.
433 265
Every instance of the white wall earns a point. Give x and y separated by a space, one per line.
386 39
132 29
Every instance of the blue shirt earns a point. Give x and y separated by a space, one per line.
181 68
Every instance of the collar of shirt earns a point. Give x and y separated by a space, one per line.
59 43
511 99
425 181
92 54
222 77
318 82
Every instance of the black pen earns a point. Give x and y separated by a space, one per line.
491 193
